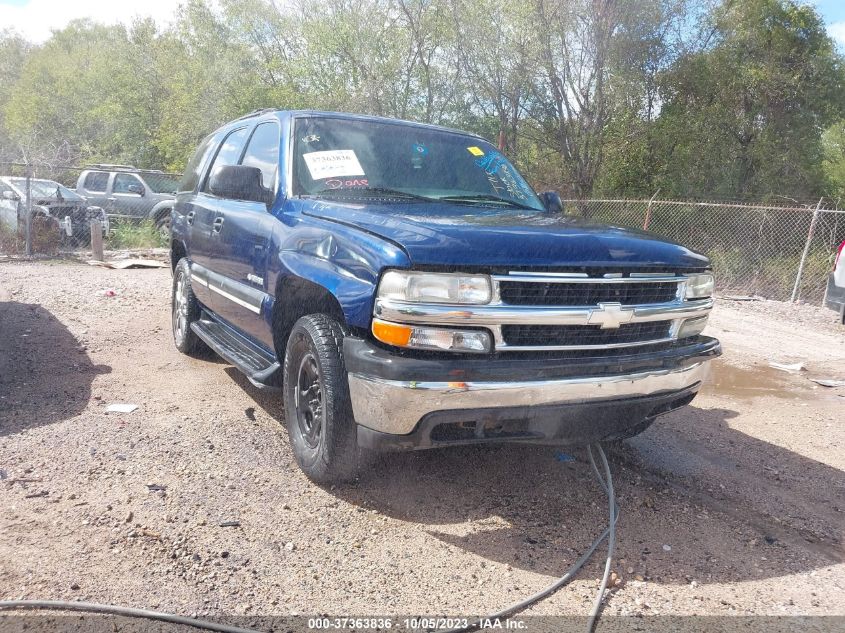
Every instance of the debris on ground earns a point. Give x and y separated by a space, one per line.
128 263
740 298
792 368
828 382
230 524
121 408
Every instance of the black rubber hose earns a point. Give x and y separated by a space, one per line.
128 612
609 532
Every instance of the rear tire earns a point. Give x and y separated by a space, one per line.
185 309
318 411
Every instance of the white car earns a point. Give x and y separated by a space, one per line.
50 198
836 285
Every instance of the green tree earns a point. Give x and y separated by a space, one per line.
833 164
744 116
64 101
14 50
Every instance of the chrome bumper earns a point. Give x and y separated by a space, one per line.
393 406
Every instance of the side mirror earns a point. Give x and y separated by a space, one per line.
11 195
551 200
136 189
238 182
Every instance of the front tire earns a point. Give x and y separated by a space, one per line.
185 309
318 411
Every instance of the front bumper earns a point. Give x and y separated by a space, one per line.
405 402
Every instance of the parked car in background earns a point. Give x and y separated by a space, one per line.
406 288
836 285
126 192
68 208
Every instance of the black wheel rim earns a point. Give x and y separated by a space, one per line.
309 401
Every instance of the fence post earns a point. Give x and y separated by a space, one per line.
97 240
647 220
28 206
796 290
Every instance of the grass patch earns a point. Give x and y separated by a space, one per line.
131 235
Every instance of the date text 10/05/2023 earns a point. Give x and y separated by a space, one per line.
415 623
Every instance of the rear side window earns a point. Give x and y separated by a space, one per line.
96 181
230 151
263 152
193 169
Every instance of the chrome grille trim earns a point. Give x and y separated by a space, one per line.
496 314
550 279
502 314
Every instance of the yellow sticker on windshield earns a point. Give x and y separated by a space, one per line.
475 151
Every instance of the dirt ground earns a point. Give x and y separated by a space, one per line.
731 506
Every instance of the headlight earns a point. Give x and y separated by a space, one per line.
432 338
700 286
419 287
692 327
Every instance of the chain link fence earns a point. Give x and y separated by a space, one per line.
782 252
775 251
49 209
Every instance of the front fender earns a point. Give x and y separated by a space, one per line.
353 294
344 261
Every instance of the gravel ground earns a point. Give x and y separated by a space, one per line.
731 506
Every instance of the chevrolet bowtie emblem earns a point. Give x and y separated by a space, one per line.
610 315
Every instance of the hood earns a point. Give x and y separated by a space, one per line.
437 235
59 202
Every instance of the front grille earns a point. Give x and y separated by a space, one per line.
523 293
560 335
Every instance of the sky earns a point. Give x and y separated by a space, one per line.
35 18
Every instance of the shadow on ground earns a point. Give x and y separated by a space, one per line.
32 340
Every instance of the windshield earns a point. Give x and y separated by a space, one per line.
345 158
45 189
161 183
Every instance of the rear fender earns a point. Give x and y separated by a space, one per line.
159 208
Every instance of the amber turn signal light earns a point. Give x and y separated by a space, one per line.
391 333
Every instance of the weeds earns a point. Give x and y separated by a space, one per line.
127 235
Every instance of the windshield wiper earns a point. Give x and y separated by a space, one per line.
377 190
485 197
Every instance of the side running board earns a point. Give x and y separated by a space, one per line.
261 368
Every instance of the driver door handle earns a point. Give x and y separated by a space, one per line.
190 217
218 224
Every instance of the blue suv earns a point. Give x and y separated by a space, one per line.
405 288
